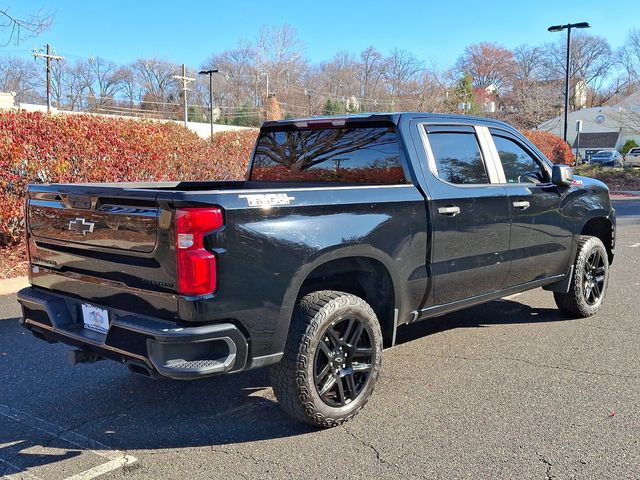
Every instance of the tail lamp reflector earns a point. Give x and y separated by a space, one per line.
196 266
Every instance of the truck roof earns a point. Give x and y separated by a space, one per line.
379 118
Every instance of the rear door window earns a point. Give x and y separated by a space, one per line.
352 155
457 155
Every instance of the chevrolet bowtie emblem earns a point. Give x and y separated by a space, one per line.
81 226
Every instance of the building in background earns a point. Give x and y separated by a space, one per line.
7 100
592 143
486 97
603 128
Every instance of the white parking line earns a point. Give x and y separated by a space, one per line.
101 469
117 458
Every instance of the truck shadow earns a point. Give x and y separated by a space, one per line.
128 412
499 312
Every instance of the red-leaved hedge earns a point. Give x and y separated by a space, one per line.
42 148
556 149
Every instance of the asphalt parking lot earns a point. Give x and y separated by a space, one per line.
506 390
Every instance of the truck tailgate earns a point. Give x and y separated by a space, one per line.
108 244
121 224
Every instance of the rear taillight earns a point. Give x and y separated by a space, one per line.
196 266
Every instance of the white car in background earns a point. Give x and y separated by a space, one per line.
632 158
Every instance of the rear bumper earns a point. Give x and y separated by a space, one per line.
147 345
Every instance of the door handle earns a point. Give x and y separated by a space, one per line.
521 205
450 211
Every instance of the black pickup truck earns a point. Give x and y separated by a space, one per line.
344 230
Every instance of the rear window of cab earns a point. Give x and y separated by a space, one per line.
346 155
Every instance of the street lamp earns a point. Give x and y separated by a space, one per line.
559 28
210 72
266 74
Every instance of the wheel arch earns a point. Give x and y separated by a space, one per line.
602 228
359 270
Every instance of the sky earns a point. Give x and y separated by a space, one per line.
190 32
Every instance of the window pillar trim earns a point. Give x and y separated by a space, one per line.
489 146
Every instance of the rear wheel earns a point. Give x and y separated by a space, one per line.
331 361
589 282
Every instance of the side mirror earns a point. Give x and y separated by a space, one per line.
562 175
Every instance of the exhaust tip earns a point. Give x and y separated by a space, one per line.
140 370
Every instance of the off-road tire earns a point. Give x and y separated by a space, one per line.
575 303
293 378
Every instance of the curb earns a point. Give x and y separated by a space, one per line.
12 285
625 193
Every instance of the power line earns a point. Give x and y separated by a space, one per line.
48 56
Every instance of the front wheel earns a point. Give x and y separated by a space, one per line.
331 361
589 282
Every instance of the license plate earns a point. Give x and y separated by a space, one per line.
95 319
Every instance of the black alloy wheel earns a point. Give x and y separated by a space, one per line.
343 361
594 277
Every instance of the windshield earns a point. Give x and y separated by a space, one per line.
604 155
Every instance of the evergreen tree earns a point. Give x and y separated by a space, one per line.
332 107
628 145
465 97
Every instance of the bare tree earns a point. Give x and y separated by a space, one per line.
401 71
103 80
59 70
533 102
155 77
238 79
75 86
629 59
280 53
339 76
592 61
528 63
434 88
130 88
19 76
16 29
370 71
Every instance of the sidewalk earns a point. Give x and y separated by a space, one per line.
12 285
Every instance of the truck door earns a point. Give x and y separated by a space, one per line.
540 238
469 214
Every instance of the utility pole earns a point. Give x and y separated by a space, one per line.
48 57
185 81
308 94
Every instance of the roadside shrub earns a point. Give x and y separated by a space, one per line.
554 147
42 148
616 178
